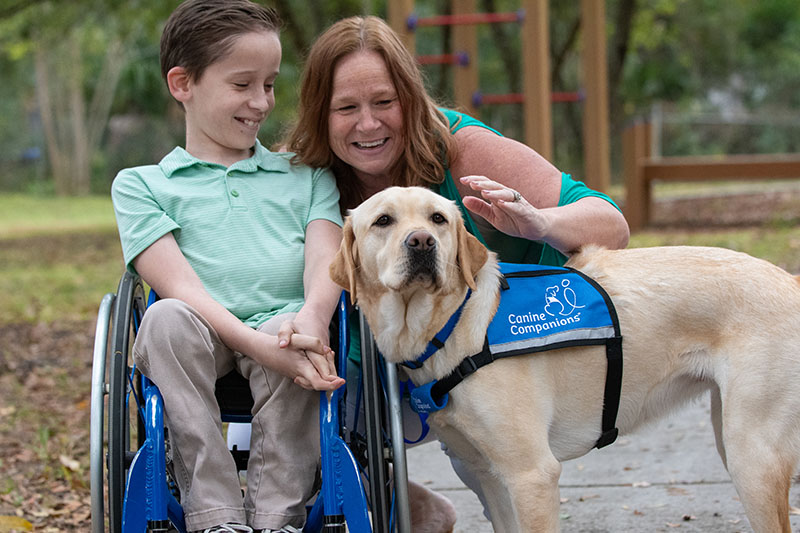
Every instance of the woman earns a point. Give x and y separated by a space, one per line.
364 112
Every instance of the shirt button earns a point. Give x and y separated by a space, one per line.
235 193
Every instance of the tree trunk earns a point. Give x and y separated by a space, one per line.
626 11
59 164
73 134
78 143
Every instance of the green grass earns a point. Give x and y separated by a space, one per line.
24 215
779 245
58 256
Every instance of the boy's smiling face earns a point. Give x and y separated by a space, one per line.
226 106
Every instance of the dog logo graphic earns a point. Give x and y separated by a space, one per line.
560 305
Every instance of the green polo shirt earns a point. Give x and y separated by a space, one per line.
241 228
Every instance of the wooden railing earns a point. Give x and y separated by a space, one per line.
641 169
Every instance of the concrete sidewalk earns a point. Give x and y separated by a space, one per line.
666 477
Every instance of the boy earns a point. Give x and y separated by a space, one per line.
237 243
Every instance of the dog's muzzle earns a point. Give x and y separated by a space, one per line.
421 255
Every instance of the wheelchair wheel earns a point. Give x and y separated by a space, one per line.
129 307
384 441
96 455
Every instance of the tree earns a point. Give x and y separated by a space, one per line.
78 52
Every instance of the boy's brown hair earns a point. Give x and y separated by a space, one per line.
200 32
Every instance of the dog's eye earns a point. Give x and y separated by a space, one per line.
383 220
438 218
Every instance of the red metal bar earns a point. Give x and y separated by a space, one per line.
479 99
495 99
573 96
460 58
463 19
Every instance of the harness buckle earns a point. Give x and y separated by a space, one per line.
466 367
608 437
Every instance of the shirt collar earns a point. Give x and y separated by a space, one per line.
262 158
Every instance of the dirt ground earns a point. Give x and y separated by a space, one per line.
45 381
45 373
770 207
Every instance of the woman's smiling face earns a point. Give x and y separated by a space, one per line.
365 124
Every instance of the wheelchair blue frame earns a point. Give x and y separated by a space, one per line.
149 505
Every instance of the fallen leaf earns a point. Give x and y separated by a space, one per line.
70 463
14 523
677 491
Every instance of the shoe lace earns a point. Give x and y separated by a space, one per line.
229 528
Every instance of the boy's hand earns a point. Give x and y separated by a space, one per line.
314 366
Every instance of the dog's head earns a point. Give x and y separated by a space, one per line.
404 238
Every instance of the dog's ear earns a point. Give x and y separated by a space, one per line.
343 268
472 255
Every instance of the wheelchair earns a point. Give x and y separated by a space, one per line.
130 449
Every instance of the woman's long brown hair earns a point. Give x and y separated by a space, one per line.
429 146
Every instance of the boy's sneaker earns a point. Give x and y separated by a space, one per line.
229 528
284 529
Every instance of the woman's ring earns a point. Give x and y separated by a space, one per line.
517 196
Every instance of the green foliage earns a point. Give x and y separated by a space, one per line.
700 55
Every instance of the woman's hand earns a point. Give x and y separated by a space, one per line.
506 209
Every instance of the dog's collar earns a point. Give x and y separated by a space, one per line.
438 340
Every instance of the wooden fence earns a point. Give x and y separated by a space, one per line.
641 169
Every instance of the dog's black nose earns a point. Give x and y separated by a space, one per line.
421 241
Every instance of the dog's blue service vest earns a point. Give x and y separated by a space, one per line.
541 308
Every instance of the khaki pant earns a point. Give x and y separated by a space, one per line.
180 352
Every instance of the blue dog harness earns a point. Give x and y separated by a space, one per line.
541 308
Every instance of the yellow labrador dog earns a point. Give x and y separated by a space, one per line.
693 320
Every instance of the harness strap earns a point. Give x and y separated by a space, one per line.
433 396
612 392
471 364
437 342
465 368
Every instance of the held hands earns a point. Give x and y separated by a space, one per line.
308 359
505 209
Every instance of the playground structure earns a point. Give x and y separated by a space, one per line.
537 96
643 167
